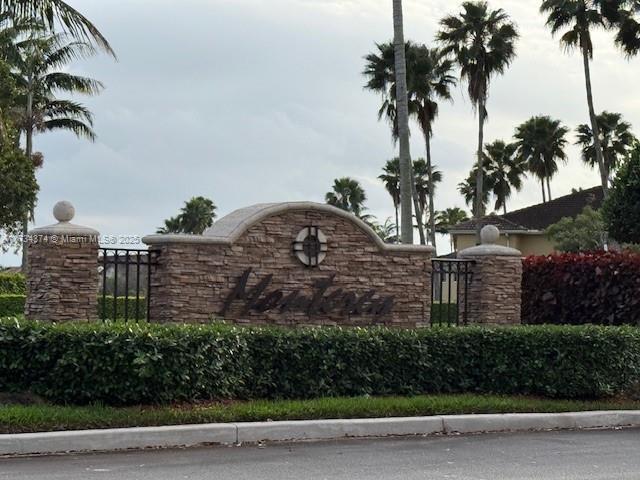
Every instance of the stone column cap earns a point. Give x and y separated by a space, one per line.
64 212
489 236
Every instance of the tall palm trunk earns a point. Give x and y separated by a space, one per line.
403 124
549 188
544 194
416 207
432 219
397 224
479 206
592 116
28 152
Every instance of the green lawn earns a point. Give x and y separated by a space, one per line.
38 418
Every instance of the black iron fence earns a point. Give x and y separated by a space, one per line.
125 283
450 283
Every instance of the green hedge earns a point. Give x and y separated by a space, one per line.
107 311
444 314
12 283
11 305
141 363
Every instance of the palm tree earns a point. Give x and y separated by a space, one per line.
386 231
38 76
50 12
426 177
541 142
433 81
628 34
428 78
194 218
37 70
579 17
468 190
347 194
616 140
483 44
505 171
402 106
391 178
447 218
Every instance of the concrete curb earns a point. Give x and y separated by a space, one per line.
251 432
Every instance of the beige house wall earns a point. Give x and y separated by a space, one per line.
527 244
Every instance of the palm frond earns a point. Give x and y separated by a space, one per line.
79 128
51 11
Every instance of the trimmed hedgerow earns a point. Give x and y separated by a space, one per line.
12 283
11 305
106 310
597 287
138 364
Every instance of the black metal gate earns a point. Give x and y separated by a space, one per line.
125 278
450 290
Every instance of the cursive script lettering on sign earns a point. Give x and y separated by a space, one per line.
259 299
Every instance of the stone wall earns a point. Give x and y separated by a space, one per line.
62 281
62 270
494 295
358 283
495 291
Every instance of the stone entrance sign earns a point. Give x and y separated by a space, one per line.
290 263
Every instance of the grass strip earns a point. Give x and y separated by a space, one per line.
42 418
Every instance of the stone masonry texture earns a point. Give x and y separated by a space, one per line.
62 281
192 280
495 290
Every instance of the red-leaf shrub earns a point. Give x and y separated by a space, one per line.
576 288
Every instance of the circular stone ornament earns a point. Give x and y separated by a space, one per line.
64 211
310 246
489 235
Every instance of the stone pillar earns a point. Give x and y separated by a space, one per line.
62 270
495 287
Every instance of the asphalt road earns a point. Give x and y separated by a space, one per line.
586 455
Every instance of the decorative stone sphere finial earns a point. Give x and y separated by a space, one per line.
64 211
489 235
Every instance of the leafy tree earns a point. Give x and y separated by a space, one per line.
483 43
52 12
194 218
505 171
18 191
18 186
577 19
541 142
428 79
348 195
585 232
400 73
616 140
621 210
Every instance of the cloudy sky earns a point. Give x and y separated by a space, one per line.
248 101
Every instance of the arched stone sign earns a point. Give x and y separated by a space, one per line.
290 263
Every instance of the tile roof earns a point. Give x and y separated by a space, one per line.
539 217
